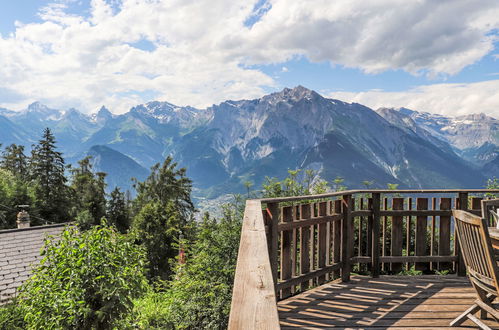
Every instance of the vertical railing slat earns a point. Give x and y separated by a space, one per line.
397 233
274 239
337 238
462 204
321 238
305 245
444 233
286 252
421 230
347 238
376 208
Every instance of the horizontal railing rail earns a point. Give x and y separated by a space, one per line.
291 244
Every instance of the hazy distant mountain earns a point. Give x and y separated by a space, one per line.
474 137
120 169
235 141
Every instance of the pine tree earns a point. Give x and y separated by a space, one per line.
88 193
46 171
15 161
164 210
117 211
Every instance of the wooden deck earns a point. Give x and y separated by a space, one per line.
403 302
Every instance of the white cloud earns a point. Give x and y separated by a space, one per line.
446 99
203 52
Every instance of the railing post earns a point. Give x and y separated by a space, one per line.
346 238
376 218
463 205
274 239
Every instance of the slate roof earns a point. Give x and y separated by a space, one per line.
19 250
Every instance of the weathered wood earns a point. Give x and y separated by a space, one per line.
376 218
313 242
383 232
274 237
421 224
444 233
413 259
461 204
295 256
360 259
397 233
321 244
368 191
402 302
360 229
361 213
306 277
286 250
336 238
408 233
432 230
479 256
487 207
329 238
309 222
347 238
305 245
254 304
414 213
369 229
476 203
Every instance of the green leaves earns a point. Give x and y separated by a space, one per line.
87 280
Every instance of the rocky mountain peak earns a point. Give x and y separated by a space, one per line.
291 95
478 117
38 107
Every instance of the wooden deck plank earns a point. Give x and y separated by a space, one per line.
398 302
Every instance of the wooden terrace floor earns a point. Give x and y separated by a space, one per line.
399 302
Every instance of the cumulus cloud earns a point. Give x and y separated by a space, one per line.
446 99
204 52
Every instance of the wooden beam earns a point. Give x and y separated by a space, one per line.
376 219
274 237
309 222
346 237
254 303
306 277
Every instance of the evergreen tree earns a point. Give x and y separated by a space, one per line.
166 184
117 211
88 193
15 161
46 170
163 210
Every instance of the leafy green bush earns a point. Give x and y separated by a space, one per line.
11 317
85 281
199 295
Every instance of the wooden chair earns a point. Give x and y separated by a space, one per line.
490 211
483 272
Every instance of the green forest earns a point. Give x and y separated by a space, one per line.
127 263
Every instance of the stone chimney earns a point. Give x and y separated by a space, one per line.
23 220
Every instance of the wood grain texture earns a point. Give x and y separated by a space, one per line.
421 226
254 304
397 233
399 302
286 250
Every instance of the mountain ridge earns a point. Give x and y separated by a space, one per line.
238 140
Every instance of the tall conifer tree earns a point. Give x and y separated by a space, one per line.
15 161
89 194
46 170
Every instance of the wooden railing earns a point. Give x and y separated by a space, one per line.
291 244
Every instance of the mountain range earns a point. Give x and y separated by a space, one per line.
236 141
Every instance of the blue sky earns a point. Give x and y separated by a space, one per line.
431 56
